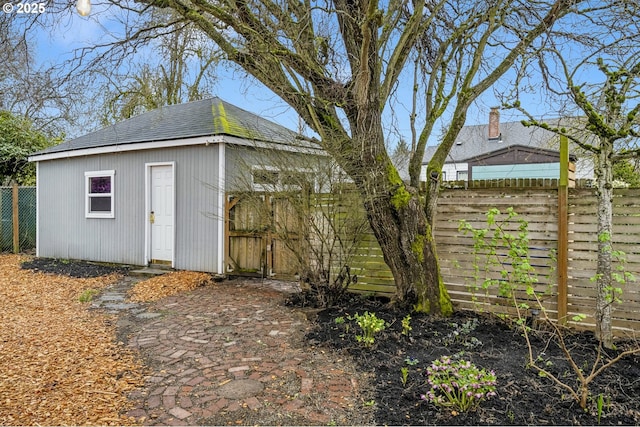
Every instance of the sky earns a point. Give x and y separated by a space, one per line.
57 43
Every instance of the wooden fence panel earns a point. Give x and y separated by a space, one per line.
583 255
537 206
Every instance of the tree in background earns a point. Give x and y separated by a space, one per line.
338 64
19 139
610 126
627 173
35 92
183 70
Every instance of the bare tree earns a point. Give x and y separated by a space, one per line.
305 204
182 70
337 64
608 128
37 93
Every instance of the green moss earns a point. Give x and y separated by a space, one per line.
446 307
417 247
229 124
400 197
422 307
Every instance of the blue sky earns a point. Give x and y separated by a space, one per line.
57 43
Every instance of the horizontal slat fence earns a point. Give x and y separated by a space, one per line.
539 207
583 254
364 255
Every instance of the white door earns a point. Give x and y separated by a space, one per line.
161 215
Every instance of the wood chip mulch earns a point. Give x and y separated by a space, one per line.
168 284
59 363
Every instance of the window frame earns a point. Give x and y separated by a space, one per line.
280 176
88 195
465 174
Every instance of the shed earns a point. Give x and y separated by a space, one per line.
152 189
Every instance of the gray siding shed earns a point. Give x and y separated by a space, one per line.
205 163
64 232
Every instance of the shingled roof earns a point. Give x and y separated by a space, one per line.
203 118
474 141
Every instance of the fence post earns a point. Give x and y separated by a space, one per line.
16 220
563 230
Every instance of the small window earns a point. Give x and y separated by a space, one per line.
99 194
462 175
265 177
295 179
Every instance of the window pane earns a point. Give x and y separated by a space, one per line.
100 184
100 204
265 177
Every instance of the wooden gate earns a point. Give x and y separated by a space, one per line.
262 236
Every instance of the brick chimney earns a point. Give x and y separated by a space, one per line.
494 123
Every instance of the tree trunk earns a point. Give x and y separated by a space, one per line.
604 283
400 225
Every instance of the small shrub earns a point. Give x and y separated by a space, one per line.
461 333
459 385
370 325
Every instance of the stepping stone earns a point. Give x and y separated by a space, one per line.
112 297
148 315
240 389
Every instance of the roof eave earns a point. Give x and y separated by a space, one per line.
150 145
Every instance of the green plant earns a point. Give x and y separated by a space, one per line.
458 384
406 325
489 245
411 361
601 404
87 295
339 320
517 273
370 325
404 371
461 334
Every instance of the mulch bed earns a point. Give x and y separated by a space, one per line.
523 397
168 284
59 364
72 268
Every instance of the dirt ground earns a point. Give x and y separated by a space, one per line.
523 397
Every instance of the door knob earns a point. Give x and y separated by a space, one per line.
152 217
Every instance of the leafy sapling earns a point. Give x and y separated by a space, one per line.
404 371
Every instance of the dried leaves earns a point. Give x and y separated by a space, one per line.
168 284
59 364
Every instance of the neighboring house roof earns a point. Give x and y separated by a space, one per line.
208 117
474 141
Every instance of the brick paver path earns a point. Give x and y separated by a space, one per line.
231 353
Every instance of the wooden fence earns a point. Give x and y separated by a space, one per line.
539 207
